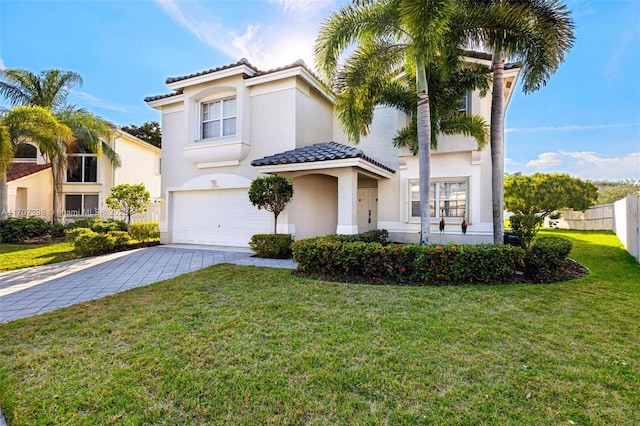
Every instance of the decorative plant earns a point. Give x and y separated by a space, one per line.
271 193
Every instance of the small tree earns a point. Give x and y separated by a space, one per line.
532 198
149 132
129 199
271 193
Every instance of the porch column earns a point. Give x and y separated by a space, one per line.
347 202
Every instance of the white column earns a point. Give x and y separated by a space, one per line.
347 202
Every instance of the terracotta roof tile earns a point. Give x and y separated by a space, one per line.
318 152
20 170
166 95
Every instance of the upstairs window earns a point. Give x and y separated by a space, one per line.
464 104
26 152
82 168
219 118
449 196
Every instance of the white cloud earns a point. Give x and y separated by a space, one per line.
589 165
302 7
264 45
546 160
88 99
2 65
571 127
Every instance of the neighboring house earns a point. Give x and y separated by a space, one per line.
223 127
88 183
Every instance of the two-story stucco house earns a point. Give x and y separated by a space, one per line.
86 185
225 126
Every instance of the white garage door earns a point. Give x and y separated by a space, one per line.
222 217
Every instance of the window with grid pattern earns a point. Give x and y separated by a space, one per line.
218 118
449 196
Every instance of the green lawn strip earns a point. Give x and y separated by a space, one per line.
17 256
246 345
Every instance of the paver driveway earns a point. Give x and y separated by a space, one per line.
32 291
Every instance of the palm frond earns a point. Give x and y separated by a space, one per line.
471 125
36 124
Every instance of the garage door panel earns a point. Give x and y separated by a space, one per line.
217 217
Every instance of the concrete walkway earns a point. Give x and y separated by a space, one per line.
32 291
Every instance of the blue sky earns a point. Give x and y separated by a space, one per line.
585 122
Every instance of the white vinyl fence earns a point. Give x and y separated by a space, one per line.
620 217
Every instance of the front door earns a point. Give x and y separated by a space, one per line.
367 209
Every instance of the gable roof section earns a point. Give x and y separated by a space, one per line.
20 170
324 151
225 69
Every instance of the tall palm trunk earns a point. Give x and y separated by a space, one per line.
57 173
4 201
497 146
424 151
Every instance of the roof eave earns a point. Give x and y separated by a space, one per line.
358 163
298 71
240 69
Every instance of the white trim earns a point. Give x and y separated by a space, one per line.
297 71
327 164
166 101
212 76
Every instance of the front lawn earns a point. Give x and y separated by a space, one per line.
17 256
247 345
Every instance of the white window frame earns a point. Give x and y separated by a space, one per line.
83 210
464 105
81 167
221 118
436 184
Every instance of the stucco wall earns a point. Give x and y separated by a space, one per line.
139 165
314 207
38 189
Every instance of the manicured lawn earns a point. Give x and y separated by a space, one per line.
17 256
246 345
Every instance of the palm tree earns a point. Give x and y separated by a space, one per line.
27 123
49 89
537 33
390 36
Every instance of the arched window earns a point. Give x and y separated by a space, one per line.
26 152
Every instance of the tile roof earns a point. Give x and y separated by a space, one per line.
20 170
243 61
318 152
158 97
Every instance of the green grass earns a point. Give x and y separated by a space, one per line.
17 256
247 345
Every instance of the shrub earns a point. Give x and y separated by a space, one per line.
92 243
545 256
145 231
73 234
374 236
99 225
120 238
19 229
105 226
526 226
273 246
56 230
407 263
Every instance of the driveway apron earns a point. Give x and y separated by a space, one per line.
40 289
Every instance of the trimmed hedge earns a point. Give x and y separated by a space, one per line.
73 234
272 246
93 243
145 231
19 229
98 225
120 238
545 256
374 236
330 258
